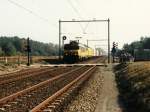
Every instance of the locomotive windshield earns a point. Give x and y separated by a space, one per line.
73 45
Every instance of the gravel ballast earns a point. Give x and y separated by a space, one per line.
87 98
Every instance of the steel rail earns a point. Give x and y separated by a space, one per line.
16 73
42 105
20 93
25 76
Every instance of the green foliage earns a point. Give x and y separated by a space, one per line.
9 49
11 46
144 43
1 52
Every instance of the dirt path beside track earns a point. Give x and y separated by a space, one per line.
108 100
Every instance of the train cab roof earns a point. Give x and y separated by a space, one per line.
74 45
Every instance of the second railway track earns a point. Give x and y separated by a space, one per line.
25 100
9 76
21 82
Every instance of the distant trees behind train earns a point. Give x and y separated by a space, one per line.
11 46
144 43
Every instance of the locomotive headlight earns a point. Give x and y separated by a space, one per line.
76 53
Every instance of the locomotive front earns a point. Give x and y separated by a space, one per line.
71 52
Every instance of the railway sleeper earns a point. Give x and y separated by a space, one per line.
2 109
6 107
60 103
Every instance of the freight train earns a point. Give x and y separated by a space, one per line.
74 52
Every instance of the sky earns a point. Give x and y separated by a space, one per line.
38 19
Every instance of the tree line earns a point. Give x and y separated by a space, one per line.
11 46
143 43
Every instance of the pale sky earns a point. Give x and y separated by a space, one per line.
129 19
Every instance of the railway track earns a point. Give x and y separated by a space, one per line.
21 82
27 99
57 101
95 60
20 73
100 60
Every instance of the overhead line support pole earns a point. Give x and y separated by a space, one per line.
108 40
59 39
28 51
86 21
87 43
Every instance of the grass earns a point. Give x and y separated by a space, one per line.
134 83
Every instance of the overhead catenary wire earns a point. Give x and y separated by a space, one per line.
86 28
85 12
31 12
81 7
77 12
75 9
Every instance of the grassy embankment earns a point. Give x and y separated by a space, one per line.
134 85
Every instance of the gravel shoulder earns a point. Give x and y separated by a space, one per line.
87 98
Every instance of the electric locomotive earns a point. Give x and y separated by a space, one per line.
74 52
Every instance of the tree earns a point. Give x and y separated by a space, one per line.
9 49
12 45
144 43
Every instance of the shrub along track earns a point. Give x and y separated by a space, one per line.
134 83
27 99
23 81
